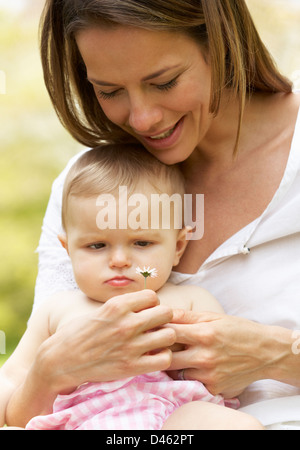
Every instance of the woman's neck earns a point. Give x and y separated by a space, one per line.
216 151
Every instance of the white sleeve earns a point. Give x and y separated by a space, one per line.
55 269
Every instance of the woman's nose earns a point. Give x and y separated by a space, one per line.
119 258
144 116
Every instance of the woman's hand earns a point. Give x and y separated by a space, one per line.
119 341
124 337
228 353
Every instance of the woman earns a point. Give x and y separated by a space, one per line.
193 82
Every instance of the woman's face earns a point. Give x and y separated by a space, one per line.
154 85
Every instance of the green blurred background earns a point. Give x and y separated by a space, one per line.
34 147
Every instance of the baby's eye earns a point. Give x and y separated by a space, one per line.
143 243
96 246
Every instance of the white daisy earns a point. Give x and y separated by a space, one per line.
147 272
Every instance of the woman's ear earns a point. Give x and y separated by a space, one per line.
63 240
181 244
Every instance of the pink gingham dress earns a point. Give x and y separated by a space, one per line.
139 403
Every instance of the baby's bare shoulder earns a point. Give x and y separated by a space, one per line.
67 305
189 297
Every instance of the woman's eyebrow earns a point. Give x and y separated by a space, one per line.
147 78
101 83
159 72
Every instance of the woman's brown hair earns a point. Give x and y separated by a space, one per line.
239 60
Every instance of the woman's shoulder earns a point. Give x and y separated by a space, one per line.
289 105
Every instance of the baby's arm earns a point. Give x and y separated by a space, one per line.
189 297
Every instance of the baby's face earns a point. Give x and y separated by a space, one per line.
105 260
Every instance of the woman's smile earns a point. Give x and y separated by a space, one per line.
164 139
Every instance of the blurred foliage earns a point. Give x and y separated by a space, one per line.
33 150
34 147
278 23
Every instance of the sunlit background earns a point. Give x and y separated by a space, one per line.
34 147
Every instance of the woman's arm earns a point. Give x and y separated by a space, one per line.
115 342
228 353
7 388
15 369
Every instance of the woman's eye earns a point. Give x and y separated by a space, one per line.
96 246
167 86
107 95
162 87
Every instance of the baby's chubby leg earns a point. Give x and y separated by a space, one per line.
208 416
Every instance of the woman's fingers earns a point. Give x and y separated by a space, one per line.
191 328
184 334
155 317
181 316
155 340
158 361
139 311
184 316
142 300
132 302
182 359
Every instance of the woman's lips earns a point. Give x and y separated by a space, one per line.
119 281
166 138
163 134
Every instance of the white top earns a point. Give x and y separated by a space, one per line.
261 284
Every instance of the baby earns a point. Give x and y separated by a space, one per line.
109 235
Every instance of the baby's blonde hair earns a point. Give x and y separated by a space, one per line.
103 169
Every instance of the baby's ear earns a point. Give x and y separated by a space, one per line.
181 244
63 240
